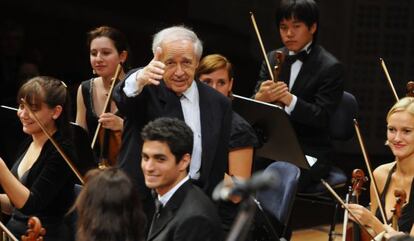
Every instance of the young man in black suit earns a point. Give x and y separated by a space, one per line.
310 86
185 212
166 88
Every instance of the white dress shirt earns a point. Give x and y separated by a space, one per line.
167 196
190 105
294 71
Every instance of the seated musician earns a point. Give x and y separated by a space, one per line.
310 86
40 182
397 174
216 71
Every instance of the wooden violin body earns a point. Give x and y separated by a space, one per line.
110 144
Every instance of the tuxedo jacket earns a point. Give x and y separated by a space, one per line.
159 101
188 215
318 88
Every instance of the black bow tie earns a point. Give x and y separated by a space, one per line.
299 56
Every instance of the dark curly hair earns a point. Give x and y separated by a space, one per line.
174 132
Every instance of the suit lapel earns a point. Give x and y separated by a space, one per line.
169 102
306 72
161 222
207 129
169 211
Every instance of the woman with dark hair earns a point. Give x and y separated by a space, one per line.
108 208
40 182
108 47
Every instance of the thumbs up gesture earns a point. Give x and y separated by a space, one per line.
153 72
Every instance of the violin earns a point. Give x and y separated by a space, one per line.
110 141
35 231
354 232
400 199
274 74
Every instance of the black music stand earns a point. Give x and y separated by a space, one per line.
273 128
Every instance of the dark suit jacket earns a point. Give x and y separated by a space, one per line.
188 215
159 101
318 87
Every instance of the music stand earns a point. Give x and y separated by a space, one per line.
274 128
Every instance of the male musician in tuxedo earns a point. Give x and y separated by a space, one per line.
184 211
310 88
166 88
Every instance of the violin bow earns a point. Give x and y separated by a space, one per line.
384 67
374 183
108 99
345 223
58 148
262 46
330 189
7 231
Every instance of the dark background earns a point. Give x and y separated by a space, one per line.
357 32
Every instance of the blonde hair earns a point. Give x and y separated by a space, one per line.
213 62
404 104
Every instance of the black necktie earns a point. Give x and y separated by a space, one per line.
158 208
287 64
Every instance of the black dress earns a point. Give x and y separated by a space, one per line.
51 184
92 119
242 134
405 222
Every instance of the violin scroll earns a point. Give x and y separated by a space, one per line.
400 199
410 89
358 180
35 231
280 58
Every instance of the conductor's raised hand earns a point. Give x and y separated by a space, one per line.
153 72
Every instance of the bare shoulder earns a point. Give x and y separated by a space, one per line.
381 173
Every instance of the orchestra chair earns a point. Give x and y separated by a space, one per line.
341 130
275 204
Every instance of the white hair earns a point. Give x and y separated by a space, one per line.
178 33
